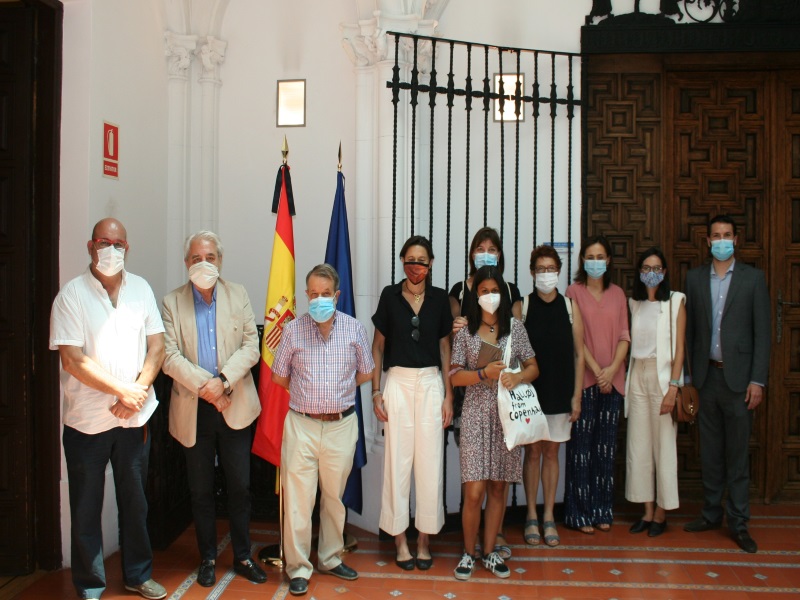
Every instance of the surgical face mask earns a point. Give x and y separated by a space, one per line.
484 259
489 302
595 268
322 308
110 261
651 279
204 275
546 282
722 249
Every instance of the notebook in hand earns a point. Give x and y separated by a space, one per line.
488 354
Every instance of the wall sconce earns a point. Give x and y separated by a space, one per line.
291 103
509 89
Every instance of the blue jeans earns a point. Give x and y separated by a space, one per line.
87 456
214 434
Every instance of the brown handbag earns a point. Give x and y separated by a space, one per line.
687 400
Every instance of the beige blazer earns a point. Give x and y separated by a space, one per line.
237 352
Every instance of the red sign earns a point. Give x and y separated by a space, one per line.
110 150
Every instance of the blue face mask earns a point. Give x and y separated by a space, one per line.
485 259
651 279
595 268
722 249
322 308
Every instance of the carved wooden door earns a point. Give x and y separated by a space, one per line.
674 139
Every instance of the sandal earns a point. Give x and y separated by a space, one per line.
551 540
501 547
587 529
532 538
604 527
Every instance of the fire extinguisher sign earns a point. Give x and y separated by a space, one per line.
110 150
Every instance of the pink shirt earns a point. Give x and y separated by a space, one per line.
605 325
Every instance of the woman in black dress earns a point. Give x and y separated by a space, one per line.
555 329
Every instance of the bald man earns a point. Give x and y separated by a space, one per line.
107 329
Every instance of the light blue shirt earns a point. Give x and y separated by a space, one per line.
719 293
206 319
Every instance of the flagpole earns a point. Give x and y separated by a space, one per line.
273 553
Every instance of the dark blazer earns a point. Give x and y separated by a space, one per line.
745 331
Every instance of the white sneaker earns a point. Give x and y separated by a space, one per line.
494 563
465 567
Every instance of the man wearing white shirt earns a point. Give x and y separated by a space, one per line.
107 329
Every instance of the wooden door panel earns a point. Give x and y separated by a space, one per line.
784 410
726 141
16 99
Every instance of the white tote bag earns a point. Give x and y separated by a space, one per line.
520 413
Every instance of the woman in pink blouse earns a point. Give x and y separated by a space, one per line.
589 481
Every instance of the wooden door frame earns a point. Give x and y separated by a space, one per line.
42 395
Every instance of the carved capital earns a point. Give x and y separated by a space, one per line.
366 42
211 52
178 50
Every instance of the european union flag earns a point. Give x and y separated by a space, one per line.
337 254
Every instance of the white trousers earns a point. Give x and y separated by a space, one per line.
315 451
652 455
414 441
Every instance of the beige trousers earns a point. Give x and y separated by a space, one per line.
414 441
652 455
315 451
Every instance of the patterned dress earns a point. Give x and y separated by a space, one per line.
484 456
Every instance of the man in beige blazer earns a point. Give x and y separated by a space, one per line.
211 344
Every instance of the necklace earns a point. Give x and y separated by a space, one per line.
417 297
489 325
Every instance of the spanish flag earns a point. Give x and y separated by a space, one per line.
280 309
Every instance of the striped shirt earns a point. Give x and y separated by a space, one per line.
322 373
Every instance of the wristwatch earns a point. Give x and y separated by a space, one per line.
226 384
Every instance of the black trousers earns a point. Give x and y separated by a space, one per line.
725 424
215 438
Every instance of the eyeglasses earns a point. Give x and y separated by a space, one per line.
102 243
649 269
415 325
550 269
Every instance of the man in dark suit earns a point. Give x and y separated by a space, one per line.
728 337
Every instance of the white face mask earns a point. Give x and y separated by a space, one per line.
110 261
489 302
546 282
204 275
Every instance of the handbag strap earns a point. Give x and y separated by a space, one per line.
671 351
507 352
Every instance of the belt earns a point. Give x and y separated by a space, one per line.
715 363
329 416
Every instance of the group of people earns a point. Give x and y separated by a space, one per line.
443 355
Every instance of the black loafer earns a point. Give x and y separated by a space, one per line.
406 565
700 524
342 571
423 564
656 529
640 526
745 542
298 586
205 573
250 570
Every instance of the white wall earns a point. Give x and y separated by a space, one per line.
113 70
268 41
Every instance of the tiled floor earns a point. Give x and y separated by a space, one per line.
677 565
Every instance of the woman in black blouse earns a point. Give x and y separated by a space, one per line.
555 329
412 342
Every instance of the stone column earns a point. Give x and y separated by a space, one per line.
205 213
179 50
